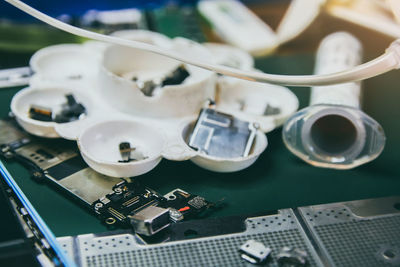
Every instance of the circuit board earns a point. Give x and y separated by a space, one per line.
115 201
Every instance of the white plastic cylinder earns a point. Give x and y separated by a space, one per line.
337 52
333 132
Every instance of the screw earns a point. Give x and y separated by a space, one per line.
118 190
98 205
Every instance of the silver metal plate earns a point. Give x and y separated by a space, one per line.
357 233
32 152
274 231
89 185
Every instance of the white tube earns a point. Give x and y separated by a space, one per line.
338 51
388 61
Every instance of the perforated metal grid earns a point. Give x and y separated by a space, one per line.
66 244
213 252
273 231
349 240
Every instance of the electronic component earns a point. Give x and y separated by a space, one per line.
70 111
222 135
127 199
125 150
177 76
254 252
40 113
115 201
175 215
150 87
291 257
129 153
183 205
131 204
150 220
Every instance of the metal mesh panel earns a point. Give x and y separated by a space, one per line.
361 243
213 252
274 231
350 240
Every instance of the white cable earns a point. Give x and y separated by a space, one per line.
388 61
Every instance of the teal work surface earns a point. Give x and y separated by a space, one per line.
276 180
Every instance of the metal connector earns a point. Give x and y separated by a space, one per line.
150 220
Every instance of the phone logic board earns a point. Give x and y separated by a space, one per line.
117 202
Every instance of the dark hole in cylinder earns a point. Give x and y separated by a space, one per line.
333 134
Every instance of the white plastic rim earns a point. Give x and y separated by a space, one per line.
64 62
336 137
230 56
172 101
351 151
52 97
99 147
249 101
232 165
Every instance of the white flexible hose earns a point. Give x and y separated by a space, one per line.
388 61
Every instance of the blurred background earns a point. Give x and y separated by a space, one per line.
21 35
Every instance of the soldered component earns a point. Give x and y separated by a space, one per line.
119 203
254 252
222 135
183 205
126 200
150 220
291 257
198 202
175 215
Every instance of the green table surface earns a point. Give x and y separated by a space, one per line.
276 180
